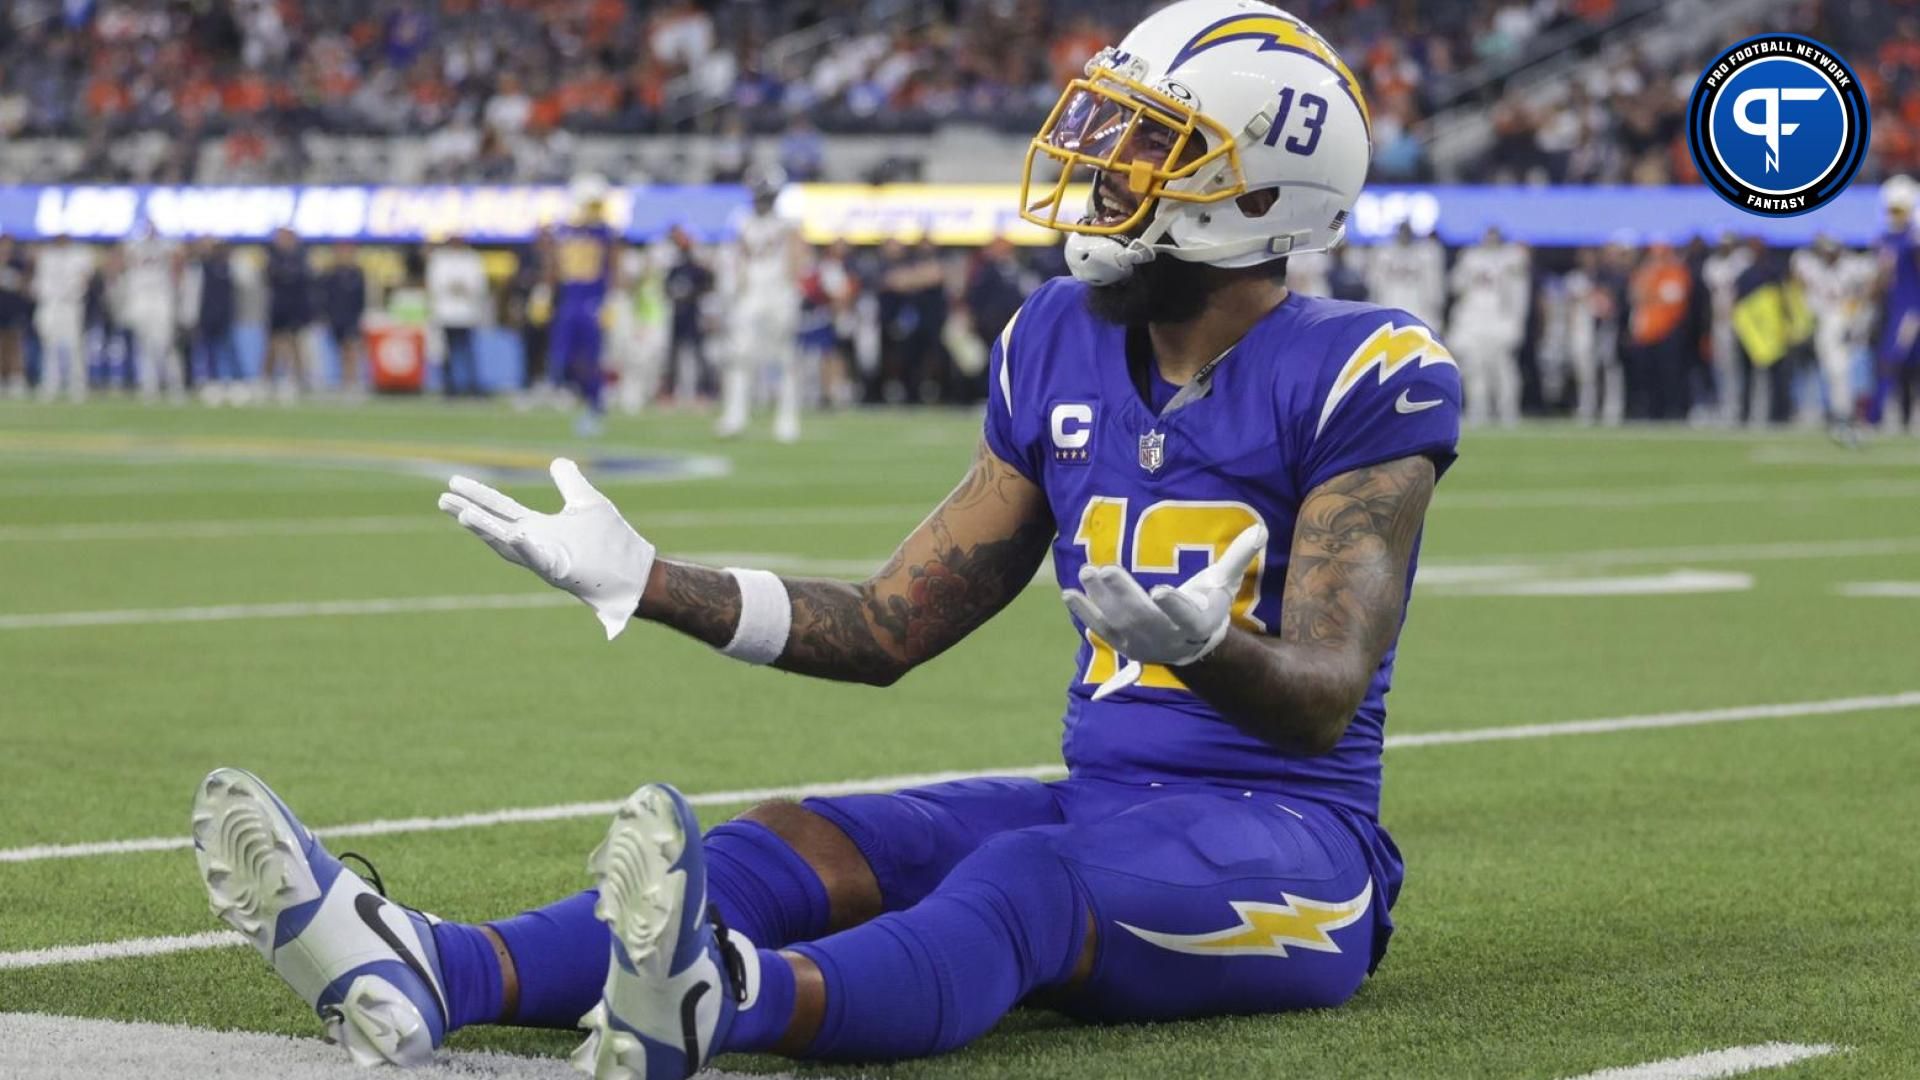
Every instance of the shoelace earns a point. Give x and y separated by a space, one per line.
372 873
379 885
730 953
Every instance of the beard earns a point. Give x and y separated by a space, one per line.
1165 290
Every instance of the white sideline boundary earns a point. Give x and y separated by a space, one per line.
131 947
35 1046
1733 1061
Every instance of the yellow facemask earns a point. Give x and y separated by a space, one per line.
1110 123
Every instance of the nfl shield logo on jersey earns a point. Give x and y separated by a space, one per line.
1153 451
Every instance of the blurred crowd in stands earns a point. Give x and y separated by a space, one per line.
498 87
1625 122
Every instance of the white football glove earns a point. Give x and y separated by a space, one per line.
587 548
1169 625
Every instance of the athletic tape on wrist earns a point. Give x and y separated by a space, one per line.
766 617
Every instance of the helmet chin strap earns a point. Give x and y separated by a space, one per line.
1105 260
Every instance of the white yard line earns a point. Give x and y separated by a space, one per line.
1616 498
428 521
39 1047
116 487
1643 556
1896 590
1521 577
307 609
117 950
1732 1061
1673 583
1691 718
519 815
392 605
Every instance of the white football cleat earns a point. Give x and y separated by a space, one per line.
368 966
676 978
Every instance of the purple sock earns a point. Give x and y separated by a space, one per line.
470 974
592 381
759 1027
763 888
560 954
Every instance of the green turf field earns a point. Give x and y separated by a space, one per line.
1574 901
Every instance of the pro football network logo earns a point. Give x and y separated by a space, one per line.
1777 125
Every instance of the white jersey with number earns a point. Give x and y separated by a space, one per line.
147 284
1836 290
1411 277
1490 287
763 261
60 275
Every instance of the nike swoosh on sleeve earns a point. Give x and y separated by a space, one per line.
1404 405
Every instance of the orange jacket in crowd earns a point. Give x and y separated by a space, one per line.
1660 291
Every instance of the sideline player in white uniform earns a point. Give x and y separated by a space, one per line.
640 325
1719 271
768 264
1410 273
1490 291
60 274
1836 283
148 290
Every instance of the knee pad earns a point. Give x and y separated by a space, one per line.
1023 880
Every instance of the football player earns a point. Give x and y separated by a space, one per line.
1835 283
1492 286
1898 363
585 264
768 265
149 287
1231 481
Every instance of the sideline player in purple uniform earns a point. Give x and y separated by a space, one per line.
585 259
1231 481
1898 362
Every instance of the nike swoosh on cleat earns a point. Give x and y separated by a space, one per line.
690 1022
367 906
1404 405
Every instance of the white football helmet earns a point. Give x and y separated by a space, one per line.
1203 103
1898 194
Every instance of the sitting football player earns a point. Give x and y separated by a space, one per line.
1231 481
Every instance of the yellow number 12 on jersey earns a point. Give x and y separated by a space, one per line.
1164 530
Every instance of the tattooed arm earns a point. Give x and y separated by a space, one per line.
965 562
1344 597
